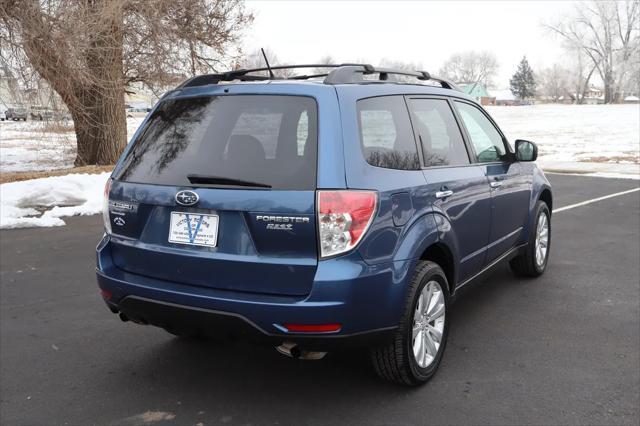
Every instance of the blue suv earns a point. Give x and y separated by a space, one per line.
323 210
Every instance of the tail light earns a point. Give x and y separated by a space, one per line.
105 207
343 218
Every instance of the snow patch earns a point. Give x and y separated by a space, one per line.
37 145
600 139
22 203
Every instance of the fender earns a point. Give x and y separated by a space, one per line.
429 229
420 234
539 185
447 237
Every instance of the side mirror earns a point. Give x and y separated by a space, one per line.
526 151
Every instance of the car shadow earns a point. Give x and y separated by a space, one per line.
206 373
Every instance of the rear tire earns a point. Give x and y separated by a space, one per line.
400 361
533 262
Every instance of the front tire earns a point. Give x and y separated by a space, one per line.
414 355
533 262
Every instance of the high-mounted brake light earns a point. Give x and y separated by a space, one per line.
105 207
343 218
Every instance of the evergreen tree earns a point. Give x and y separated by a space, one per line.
523 84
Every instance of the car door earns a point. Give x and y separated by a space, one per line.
510 189
459 187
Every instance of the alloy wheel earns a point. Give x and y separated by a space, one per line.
428 324
542 239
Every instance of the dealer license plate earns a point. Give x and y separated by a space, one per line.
194 229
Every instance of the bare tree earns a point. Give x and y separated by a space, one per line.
255 59
403 66
89 51
325 60
554 82
609 34
7 73
471 67
582 69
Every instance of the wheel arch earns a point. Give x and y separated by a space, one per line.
547 197
442 255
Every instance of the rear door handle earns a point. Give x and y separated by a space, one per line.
496 184
444 194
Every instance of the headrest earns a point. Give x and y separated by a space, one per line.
245 149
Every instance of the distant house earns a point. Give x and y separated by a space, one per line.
504 97
631 100
593 96
477 91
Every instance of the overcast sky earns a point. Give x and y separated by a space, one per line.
423 32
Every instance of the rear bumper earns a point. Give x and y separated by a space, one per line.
365 299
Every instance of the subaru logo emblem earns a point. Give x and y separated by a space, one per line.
187 198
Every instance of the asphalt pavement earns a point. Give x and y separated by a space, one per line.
561 349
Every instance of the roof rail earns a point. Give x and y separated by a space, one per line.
244 74
340 74
355 74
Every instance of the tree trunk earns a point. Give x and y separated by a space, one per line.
609 86
101 129
100 125
85 139
585 87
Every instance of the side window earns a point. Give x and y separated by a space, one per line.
485 138
385 133
442 143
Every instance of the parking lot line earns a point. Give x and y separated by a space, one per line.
594 200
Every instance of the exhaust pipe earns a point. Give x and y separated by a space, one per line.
292 350
125 318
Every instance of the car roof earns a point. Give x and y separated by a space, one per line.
361 80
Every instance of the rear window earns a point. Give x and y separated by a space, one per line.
228 141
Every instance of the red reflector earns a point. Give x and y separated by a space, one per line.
105 294
312 328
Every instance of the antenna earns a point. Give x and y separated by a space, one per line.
267 62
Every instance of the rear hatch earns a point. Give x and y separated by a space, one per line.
219 191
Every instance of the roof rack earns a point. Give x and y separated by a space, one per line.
355 74
244 75
340 74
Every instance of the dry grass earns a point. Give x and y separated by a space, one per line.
18 176
612 159
58 127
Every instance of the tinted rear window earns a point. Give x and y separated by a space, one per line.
270 140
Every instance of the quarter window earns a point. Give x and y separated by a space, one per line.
385 133
486 140
441 140
302 133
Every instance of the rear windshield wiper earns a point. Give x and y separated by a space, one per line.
218 180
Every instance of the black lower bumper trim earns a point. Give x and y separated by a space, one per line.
180 319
